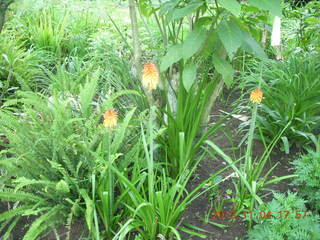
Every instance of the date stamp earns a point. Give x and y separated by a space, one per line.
231 214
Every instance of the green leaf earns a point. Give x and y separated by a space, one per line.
274 6
222 226
179 13
250 45
193 42
225 69
87 93
62 187
173 55
230 36
191 232
195 228
145 7
285 144
203 21
189 76
42 223
212 44
167 7
232 6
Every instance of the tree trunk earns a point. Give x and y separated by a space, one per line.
4 4
2 17
135 36
216 93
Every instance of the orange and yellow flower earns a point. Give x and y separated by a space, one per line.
110 118
150 76
256 96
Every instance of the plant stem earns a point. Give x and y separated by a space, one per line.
110 180
248 159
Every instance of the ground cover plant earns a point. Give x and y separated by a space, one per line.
288 219
122 119
307 170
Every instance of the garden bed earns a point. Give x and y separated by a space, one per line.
170 120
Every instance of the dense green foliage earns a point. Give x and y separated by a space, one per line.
302 24
283 225
54 147
290 95
307 168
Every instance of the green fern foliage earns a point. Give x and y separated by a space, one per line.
53 149
288 219
307 168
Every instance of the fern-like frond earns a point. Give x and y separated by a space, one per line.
9 214
42 223
7 194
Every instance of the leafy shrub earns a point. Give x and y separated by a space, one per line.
291 94
54 148
282 227
307 169
301 28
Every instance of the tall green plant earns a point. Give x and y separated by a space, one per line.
252 179
197 29
183 137
155 200
195 32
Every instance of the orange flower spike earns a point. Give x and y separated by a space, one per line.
150 76
256 96
110 118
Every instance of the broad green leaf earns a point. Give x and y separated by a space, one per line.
189 75
168 6
203 21
173 55
145 7
232 6
212 44
250 45
193 42
179 13
274 6
230 36
225 69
